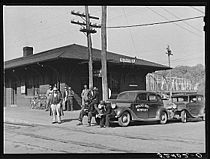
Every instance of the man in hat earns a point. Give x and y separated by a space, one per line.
56 109
70 99
48 94
101 115
65 96
85 107
84 95
93 106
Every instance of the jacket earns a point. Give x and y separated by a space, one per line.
109 110
55 100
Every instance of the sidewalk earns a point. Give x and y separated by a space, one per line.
33 116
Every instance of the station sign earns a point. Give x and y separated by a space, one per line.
127 60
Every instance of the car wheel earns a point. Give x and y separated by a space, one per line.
184 116
97 120
163 118
124 119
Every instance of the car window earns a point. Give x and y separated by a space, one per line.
193 99
200 98
180 99
127 96
141 97
152 97
159 98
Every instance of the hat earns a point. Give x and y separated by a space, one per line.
55 89
69 87
94 88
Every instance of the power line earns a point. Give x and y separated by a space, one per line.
174 23
179 17
130 31
163 22
197 9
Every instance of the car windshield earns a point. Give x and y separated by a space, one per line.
127 96
180 99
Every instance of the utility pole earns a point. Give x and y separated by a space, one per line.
169 54
103 54
88 30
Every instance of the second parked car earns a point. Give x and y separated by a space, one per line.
188 106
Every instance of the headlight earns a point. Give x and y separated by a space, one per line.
113 105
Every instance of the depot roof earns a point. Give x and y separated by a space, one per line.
78 52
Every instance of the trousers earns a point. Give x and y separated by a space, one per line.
56 112
70 103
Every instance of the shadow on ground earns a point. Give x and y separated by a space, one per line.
68 120
145 123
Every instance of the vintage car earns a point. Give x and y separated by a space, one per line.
138 105
187 106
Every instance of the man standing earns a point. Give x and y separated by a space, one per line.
70 99
93 107
48 94
84 95
55 101
65 96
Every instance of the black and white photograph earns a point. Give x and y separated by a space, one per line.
104 79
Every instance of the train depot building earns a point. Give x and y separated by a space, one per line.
31 75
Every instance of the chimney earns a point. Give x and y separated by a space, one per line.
27 51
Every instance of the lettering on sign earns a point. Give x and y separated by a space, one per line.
127 60
142 107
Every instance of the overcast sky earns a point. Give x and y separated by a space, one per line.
45 28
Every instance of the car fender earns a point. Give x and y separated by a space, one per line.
159 112
187 112
120 110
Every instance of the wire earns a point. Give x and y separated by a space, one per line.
163 22
175 23
197 9
179 17
130 31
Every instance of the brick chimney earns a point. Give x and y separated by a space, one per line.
27 51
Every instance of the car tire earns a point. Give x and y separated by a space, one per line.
124 119
97 121
183 116
163 117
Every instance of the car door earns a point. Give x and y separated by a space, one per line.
139 106
154 103
194 106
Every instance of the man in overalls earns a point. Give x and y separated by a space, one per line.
56 109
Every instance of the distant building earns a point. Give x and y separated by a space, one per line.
31 74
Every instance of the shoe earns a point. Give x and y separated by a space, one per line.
80 123
59 122
53 122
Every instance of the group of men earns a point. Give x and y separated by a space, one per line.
68 98
91 106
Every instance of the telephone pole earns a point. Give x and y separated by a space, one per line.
169 54
88 30
103 54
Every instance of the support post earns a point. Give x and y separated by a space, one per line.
103 54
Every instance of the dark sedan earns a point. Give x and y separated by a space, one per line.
138 105
188 106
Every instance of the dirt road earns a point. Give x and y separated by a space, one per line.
174 137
